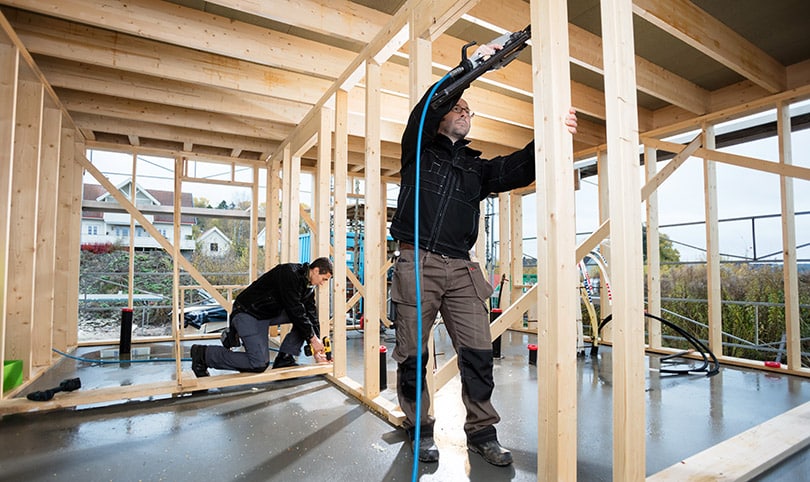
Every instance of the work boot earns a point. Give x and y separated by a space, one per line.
198 365
428 451
492 452
230 338
284 360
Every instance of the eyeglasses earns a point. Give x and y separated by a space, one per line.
458 110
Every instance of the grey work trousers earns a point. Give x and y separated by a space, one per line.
457 289
254 335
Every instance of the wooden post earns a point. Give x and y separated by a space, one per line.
253 267
66 318
625 214
272 215
133 199
286 200
516 245
22 216
605 307
177 323
653 254
790 272
557 303
322 210
44 287
9 65
341 178
373 244
713 294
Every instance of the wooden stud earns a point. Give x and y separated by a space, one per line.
254 226
22 216
625 213
65 320
653 254
374 215
558 301
271 219
605 304
176 256
713 280
46 241
505 247
9 65
339 284
789 261
323 211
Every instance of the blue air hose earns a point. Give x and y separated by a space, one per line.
417 424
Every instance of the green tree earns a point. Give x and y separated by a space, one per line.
666 250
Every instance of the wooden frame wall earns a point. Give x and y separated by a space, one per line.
47 134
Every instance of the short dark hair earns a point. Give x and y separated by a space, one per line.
323 264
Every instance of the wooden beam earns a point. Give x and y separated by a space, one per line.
180 135
793 171
186 385
175 116
687 22
83 77
338 18
747 455
199 30
662 175
586 51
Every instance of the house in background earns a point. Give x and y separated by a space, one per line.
100 226
213 242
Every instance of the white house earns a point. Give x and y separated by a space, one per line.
103 227
213 242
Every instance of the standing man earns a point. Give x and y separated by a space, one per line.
285 294
454 180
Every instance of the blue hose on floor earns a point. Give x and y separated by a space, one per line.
417 424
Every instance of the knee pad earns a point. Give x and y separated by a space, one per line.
406 376
476 373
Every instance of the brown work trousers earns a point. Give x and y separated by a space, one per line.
457 289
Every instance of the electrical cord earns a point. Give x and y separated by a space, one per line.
705 353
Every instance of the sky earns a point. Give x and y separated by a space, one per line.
741 193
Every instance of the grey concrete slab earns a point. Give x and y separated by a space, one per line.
307 428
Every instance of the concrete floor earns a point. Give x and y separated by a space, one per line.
307 428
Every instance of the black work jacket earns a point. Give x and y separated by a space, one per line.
285 287
453 182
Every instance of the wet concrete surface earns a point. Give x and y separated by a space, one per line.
308 429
